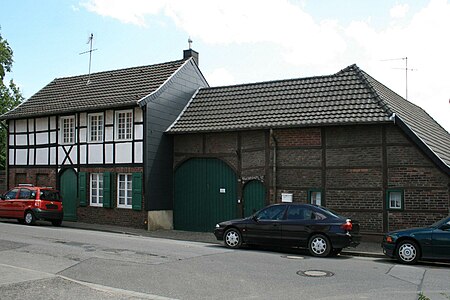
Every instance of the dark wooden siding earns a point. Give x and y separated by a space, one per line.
160 114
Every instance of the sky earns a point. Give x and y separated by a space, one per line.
239 41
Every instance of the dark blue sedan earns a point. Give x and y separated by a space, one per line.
316 228
427 243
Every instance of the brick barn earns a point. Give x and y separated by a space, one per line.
343 141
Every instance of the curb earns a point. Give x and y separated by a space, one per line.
148 234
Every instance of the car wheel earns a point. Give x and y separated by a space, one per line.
30 219
232 238
56 223
319 245
408 252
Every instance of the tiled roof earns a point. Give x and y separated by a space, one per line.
348 97
419 121
116 88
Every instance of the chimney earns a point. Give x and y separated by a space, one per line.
191 53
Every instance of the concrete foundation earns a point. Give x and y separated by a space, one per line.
160 219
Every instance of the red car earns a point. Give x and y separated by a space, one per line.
28 203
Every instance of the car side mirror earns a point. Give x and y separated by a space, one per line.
255 218
2 197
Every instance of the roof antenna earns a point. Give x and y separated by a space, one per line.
406 71
90 41
190 43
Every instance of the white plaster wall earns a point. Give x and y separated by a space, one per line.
41 138
95 153
123 153
138 152
21 140
138 132
109 153
42 156
21 125
21 156
83 155
41 124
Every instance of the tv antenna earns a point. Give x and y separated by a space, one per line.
406 71
90 41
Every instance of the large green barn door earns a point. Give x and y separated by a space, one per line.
205 193
68 190
254 197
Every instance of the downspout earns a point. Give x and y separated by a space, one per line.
274 168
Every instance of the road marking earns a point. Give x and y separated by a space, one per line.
104 288
94 286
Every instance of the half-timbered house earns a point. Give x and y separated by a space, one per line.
99 139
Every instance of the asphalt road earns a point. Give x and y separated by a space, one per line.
44 262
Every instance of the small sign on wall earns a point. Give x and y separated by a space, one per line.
222 190
286 197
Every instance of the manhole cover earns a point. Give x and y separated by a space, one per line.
315 273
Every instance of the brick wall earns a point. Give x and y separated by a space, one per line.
3 183
113 216
35 176
353 166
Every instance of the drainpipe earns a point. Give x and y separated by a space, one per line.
274 168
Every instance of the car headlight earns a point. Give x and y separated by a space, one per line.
217 226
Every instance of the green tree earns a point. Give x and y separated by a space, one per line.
10 95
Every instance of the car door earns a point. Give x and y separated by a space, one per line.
441 241
295 226
300 222
22 202
265 226
6 204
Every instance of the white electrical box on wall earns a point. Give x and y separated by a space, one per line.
286 197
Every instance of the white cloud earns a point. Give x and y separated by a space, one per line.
219 77
322 47
130 11
399 11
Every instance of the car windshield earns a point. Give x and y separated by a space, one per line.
440 222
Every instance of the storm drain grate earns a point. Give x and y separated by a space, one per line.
315 273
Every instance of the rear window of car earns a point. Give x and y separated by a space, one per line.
49 195
330 212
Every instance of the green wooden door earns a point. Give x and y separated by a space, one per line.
254 197
205 194
68 189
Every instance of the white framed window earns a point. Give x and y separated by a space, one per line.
124 125
96 184
68 130
95 127
124 190
315 197
395 199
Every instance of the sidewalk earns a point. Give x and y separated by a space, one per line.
365 248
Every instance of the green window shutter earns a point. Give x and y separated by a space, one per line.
107 195
137 191
82 186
